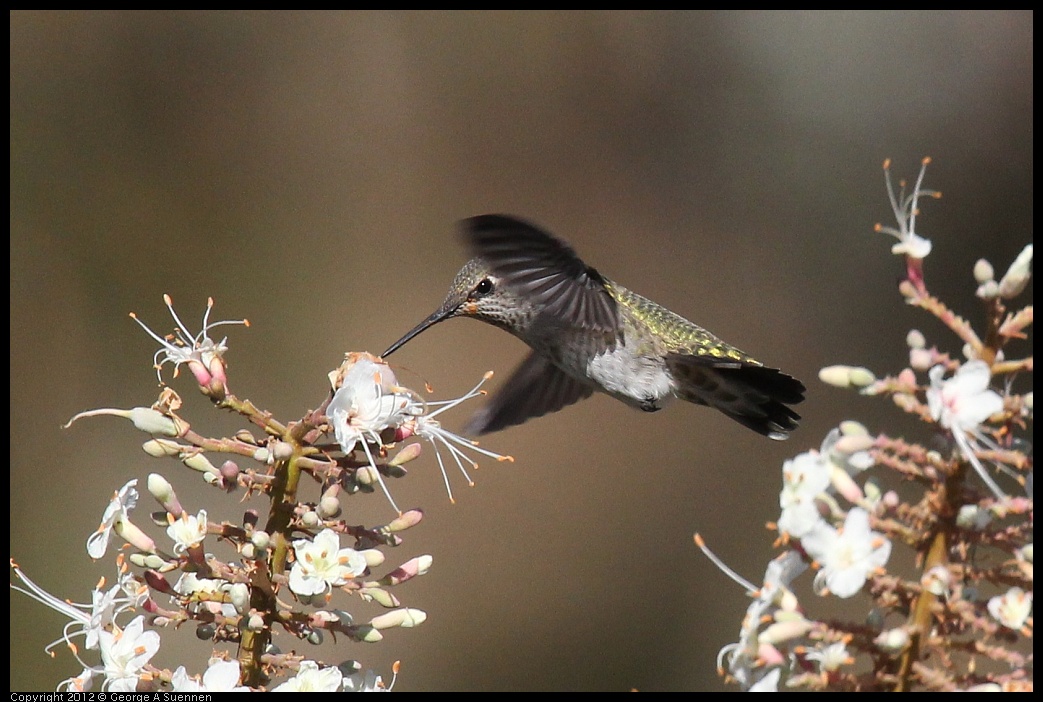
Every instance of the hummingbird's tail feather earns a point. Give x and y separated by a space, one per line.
755 396
537 387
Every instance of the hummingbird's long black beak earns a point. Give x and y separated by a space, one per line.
435 318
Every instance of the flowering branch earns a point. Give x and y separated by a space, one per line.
963 622
284 571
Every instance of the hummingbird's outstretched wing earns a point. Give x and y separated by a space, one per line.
537 387
755 396
546 271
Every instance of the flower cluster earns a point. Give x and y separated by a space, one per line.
963 621
273 572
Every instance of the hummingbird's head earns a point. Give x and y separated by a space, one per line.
475 292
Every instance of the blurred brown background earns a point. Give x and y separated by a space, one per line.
307 171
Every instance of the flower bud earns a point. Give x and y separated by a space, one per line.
163 448
134 536
936 581
973 518
368 634
230 473
380 596
158 583
374 557
837 376
407 519
366 475
246 437
198 461
783 631
260 540
281 451
328 507
406 618
144 418
239 596
147 560
1017 276
989 290
164 494
407 454
920 359
892 640
983 271
853 443
915 339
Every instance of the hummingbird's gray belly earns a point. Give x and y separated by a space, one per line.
637 379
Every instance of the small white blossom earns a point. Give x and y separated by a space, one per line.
119 507
964 401
188 531
125 653
369 401
86 620
803 479
1012 608
847 556
202 354
322 564
830 657
311 678
961 404
746 658
905 208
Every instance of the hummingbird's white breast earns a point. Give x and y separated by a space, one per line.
637 378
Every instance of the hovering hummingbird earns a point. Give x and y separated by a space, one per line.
589 333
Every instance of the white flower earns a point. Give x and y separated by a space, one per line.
847 556
119 507
369 401
1012 608
773 599
221 676
803 479
905 209
964 401
202 354
830 657
187 531
311 678
124 653
961 404
86 620
322 564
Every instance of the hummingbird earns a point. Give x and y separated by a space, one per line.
589 333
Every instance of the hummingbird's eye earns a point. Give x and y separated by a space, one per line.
483 288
